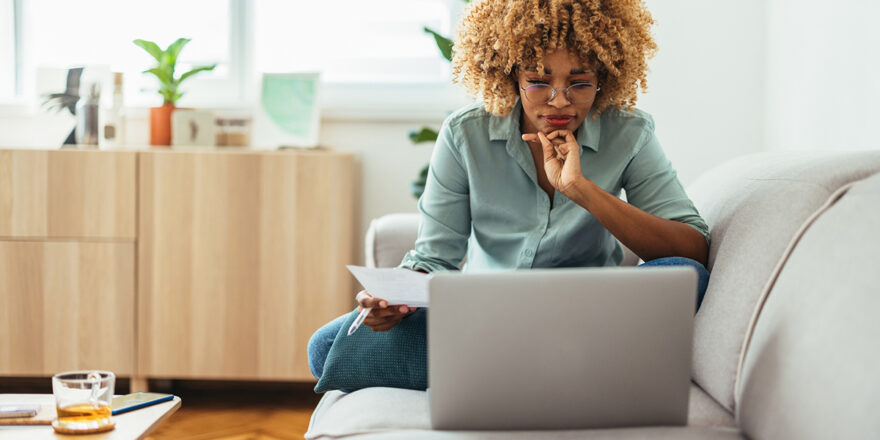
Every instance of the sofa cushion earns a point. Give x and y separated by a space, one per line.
812 366
753 206
654 433
383 411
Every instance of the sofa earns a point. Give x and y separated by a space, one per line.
787 340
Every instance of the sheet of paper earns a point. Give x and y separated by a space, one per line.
395 285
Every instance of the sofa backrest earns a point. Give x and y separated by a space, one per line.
811 368
753 206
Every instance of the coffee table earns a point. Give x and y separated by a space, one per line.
131 425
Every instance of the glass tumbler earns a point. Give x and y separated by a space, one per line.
83 401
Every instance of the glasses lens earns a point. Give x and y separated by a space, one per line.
580 93
539 93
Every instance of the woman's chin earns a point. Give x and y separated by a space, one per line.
550 128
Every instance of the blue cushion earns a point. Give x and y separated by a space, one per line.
397 358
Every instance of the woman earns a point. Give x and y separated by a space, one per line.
530 177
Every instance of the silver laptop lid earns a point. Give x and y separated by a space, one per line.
560 348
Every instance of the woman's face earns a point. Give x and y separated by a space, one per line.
561 70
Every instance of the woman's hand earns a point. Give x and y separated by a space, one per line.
382 318
562 158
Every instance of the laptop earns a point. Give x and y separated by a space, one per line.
560 348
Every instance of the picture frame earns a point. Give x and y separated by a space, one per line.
287 114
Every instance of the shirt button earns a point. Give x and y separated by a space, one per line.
528 252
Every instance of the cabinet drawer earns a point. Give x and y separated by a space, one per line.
66 306
67 194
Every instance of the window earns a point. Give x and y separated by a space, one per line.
100 33
7 50
352 41
367 51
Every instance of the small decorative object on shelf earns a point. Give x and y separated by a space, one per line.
113 120
233 131
66 100
192 128
87 117
160 117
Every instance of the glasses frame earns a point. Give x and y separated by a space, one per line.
553 92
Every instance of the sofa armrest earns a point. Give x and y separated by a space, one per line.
391 236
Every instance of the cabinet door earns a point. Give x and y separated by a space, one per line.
67 194
241 258
66 306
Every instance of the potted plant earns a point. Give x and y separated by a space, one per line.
160 117
427 134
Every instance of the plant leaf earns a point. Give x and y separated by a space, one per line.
162 74
424 135
151 48
195 71
167 95
443 43
174 49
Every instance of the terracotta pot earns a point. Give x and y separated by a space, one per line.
160 125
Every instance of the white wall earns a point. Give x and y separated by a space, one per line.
823 74
388 163
706 81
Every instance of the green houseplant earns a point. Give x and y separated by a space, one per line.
427 134
169 85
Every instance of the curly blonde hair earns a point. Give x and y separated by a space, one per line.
496 37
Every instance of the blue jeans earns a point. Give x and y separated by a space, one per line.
320 343
702 273
322 340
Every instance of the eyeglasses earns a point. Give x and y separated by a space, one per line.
580 93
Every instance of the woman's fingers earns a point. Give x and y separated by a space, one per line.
393 313
384 327
390 321
564 141
547 146
390 311
562 136
364 300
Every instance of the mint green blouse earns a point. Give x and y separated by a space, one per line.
482 202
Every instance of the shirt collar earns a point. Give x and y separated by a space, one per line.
503 127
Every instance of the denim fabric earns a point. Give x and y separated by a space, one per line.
397 358
702 273
320 343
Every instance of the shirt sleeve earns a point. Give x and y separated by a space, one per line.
445 210
652 185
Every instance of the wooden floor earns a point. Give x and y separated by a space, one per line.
218 409
236 411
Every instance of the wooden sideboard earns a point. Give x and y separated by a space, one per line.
168 264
